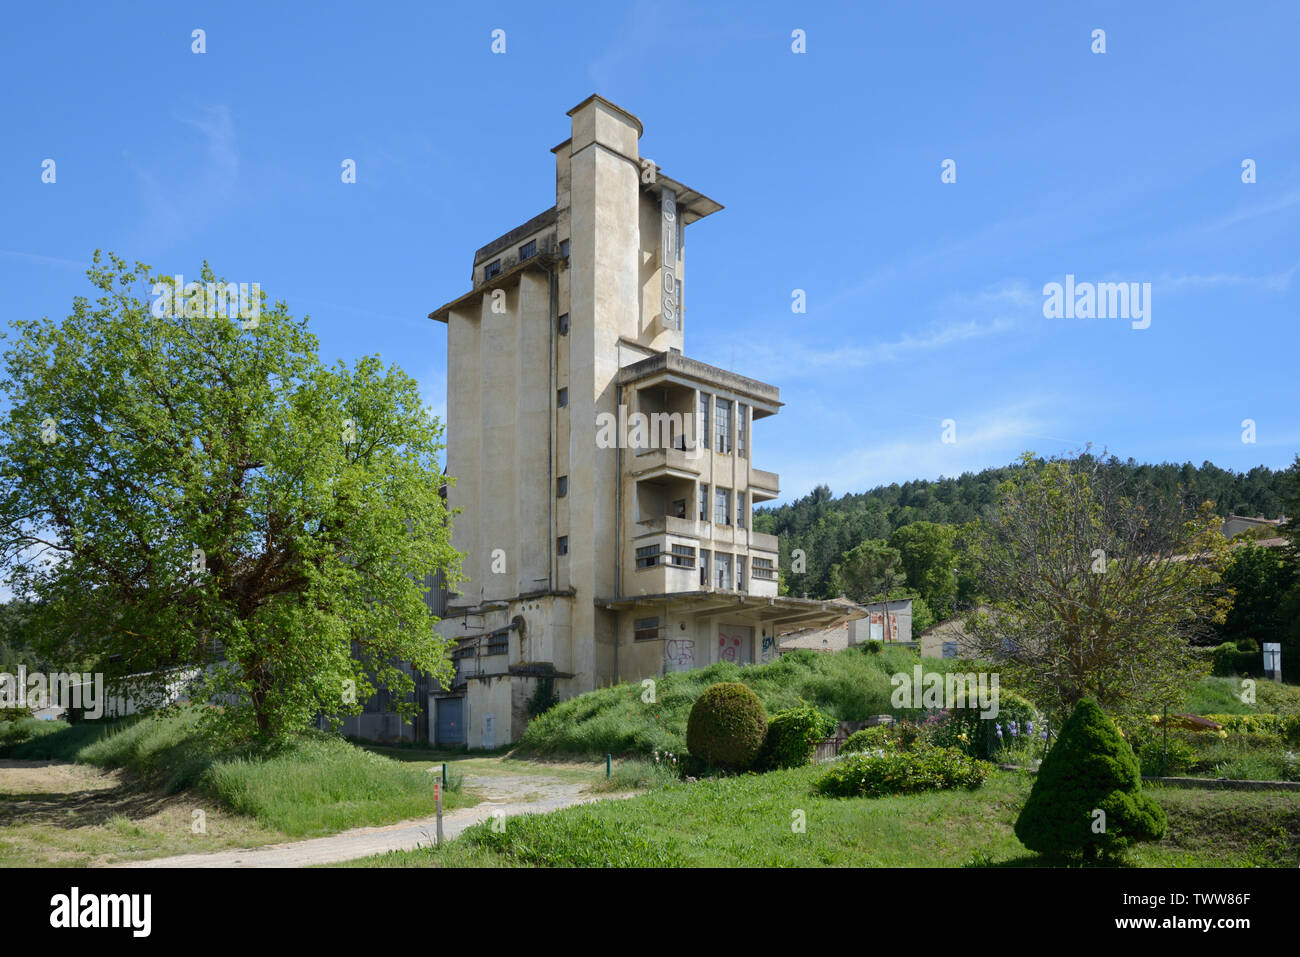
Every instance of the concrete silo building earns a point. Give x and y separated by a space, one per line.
598 550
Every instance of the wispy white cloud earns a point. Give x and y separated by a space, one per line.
992 437
787 358
1274 282
218 128
1013 293
46 260
993 311
1248 212
175 203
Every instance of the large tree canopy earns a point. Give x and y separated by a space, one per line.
1102 585
171 486
868 572
928 557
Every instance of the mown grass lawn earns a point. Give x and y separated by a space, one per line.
747 822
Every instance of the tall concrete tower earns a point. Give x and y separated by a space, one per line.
603 481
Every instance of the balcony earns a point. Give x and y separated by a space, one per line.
764 486
708 533
657 568
673 526
650 461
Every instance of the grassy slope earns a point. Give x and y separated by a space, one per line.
1223 696
849 685
314 784
746 822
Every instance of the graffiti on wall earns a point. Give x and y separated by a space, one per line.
769 648
729 647
679 654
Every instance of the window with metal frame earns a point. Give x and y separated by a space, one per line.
722 562
721 507
724 426
683 556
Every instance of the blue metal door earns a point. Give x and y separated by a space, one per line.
451 729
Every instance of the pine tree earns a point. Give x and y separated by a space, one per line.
1091 769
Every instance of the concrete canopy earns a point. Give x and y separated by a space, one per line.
782 613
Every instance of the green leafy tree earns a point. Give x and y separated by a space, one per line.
1261 584
868 571
929 560
1087 800
19 623
922 616
176 487
824 527
1102 585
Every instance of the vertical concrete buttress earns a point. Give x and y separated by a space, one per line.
603 304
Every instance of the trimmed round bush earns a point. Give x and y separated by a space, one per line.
726 726
1091 768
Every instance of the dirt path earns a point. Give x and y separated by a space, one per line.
509 794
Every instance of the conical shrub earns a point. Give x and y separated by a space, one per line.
1091 768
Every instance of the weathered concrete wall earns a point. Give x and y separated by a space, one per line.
484 698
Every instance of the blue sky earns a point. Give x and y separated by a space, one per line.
924 299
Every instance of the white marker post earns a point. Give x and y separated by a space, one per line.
437 797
